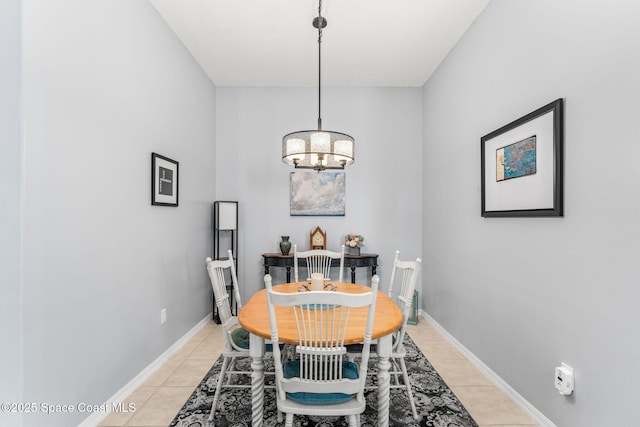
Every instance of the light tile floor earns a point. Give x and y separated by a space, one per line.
159 399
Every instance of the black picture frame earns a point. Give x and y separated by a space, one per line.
164 181
538 192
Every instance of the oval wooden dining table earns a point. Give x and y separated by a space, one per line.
254 317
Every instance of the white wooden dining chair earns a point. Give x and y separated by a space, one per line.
407 272
318 261
236 337
321 381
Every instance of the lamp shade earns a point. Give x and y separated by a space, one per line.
318 149
227 216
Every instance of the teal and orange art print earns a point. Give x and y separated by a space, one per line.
516 160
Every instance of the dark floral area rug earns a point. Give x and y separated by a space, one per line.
436 404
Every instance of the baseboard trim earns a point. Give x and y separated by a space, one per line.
527 407
96 417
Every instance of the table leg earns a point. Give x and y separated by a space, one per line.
384 379
353 274
288 274
256 349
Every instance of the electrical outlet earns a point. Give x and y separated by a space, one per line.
564 380
163 316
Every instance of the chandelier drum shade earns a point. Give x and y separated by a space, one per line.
318 149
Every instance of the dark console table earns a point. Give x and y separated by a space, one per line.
350 261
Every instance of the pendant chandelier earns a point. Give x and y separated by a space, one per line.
318 149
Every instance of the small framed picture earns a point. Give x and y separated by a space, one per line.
522 166
164 181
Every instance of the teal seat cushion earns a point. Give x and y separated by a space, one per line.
292 370
240 338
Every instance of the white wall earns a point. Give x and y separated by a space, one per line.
382 186
526 294
106 83
10 208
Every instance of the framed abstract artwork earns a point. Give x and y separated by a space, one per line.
317 193
164 181
522 166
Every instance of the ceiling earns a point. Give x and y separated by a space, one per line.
397 43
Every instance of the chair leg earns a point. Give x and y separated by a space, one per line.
405 378
395 370
353 421
231 366
289 420
216 396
